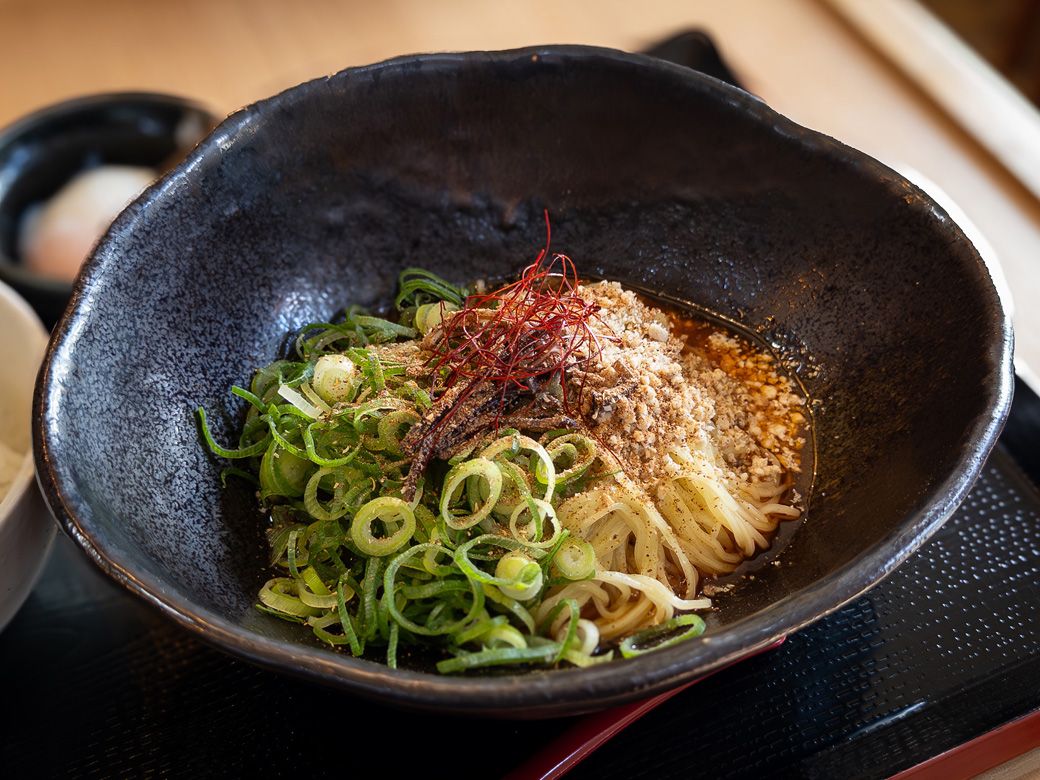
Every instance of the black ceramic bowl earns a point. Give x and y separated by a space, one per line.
41 152
654 175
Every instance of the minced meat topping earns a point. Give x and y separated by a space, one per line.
651 392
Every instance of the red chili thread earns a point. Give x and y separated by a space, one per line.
534 328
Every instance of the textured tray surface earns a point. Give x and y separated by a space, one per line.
948 647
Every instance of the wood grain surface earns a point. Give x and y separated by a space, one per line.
800 55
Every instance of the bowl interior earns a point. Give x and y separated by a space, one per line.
654 176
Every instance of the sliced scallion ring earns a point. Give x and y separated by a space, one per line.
283 474
394 514
515 443
334 377
576 450
575 560
647 640
525 574
456 479
335 509
282 595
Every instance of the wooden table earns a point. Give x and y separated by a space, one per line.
800 55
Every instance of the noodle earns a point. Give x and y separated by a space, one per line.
693 521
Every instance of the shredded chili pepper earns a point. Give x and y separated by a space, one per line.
535 329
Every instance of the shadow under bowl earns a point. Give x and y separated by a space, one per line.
655 176
42 151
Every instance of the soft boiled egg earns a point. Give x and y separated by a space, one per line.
57 235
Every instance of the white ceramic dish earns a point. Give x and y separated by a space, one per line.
26 529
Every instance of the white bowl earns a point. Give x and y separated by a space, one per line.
26 528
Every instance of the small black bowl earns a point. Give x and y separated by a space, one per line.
41 152
655 176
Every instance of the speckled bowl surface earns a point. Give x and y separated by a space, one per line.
655 176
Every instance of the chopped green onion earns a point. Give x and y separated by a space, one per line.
477 467
575 560
283 474
570 634
647 640
231 471
475 552
301 403
394 514
254 400
391 646
514 607
429 315
501 656
521 570
312 450
282 595
391 588
334 378
417 286
356 647
576 450
393 426
515 443
539 511
248 451
315 399
334 510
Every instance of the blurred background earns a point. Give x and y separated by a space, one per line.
936 87
1005 32
227 53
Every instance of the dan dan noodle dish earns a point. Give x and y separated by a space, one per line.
545 473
